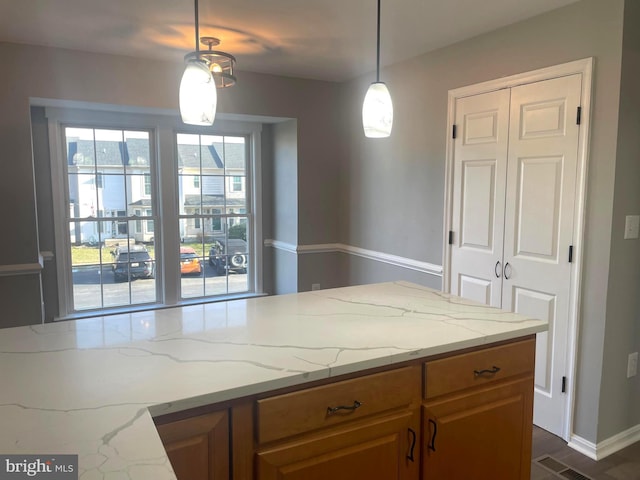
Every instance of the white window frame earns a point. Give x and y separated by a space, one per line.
163 129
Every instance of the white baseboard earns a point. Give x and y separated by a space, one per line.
606 447
409 263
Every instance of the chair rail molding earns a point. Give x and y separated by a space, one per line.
22 268
396 260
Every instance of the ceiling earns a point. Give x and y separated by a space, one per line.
320 39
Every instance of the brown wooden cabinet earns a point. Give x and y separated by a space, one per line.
198 447
382 448
477 423
362 428
459 416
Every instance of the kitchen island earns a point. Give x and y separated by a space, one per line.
92 387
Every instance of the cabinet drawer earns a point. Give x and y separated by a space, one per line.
314 408
481 367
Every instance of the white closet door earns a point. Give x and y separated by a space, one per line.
480 166
541 183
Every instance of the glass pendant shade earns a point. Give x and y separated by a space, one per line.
198 94
377 111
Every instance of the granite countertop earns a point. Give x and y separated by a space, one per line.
90 387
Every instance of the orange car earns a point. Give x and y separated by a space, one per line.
189 261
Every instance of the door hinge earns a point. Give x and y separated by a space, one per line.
570 253
564 384
450 237
578 115
454 131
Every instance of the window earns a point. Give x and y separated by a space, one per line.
109 200
208 222
138 222
147 184
149 224
98 244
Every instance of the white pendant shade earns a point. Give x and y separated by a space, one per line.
377 111
198 95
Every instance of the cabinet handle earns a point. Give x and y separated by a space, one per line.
351 408
432 444
491 371
497 270
507 277
413 444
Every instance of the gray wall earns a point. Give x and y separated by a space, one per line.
326 269
359 270
284 189
44 204
285 181
392 189
619 396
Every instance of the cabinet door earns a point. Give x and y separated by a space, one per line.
198 447
484 434
386 449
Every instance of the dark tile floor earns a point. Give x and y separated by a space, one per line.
622 465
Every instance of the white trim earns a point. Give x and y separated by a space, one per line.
585 68
323 248
254 174
22 268
396 260
58 189
583 446
606 447
579 228
277 244
555 71
403 262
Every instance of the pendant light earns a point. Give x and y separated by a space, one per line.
377 109
198 94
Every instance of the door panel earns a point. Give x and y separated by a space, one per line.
540 305
538 215
476 289
539 220
480 167
541 119
478 193
198 447
376 449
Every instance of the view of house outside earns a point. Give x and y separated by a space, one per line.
113 225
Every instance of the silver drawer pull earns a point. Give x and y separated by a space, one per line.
332 410
491 371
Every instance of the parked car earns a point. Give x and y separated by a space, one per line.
132 262
189 261
228 256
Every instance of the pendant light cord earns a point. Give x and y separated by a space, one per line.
377 47
197 27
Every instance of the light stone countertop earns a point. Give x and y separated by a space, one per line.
90 387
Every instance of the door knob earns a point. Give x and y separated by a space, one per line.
507 274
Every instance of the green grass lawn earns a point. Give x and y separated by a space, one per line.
86 255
